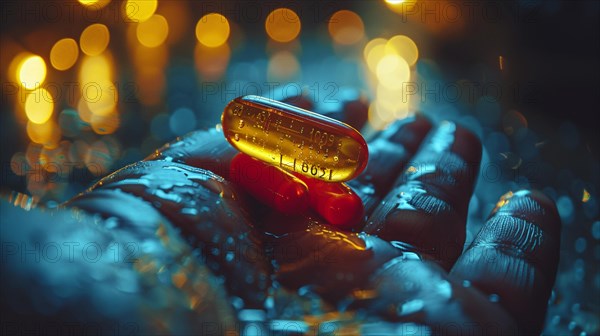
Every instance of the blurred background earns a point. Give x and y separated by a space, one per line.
89 86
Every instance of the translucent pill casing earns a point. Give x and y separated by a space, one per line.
295 139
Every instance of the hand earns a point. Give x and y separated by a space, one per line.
408 264
405 268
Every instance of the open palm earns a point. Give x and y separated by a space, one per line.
407 265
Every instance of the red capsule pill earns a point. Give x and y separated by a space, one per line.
269 184
335 202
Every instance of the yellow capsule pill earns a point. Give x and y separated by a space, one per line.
295 139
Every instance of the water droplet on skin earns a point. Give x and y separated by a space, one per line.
466 283
111 223
189 211
368 190
336 158
410 307
237 302
241 124
236 137
494 298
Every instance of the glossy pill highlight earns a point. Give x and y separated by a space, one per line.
294 139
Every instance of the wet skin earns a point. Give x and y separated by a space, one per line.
406 263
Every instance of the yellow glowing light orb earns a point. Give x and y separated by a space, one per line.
31 72
404 47
64 54
46 134
346 27
212 30
153 32
94 39
101 98
94 4
39 105
283 25
393 71
95 69
401 6
375 54
140 10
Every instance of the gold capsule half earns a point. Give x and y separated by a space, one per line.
295 139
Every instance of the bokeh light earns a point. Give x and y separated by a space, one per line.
105 124
69 122
97 88
182 121
88 2
212 30
64 54
401 6
47 134
94 39
405 47
84 112
94 4
31 72
153 32
283 25
346 27
393 71
374 52
97 158
39 106
140 10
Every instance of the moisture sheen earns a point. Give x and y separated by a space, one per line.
295 139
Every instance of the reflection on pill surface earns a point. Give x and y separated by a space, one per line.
294 139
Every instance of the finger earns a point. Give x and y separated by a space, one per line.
206 149
427 207
388 154
206 209
515 255
408 290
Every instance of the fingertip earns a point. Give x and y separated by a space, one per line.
533 206
467 145
409 132
356 112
